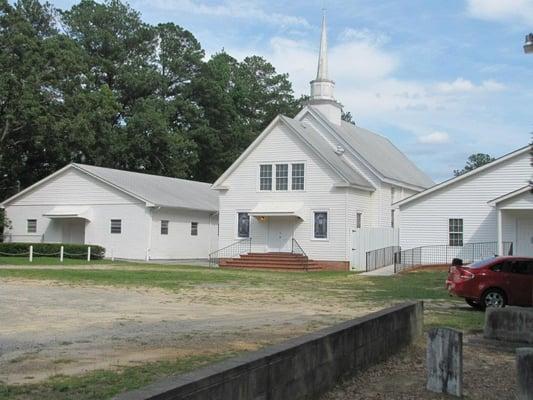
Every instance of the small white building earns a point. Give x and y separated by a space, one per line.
492 203
132 215
311 183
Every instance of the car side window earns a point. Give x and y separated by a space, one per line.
519 267
499 267
529 267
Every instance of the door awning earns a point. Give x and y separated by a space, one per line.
277 209
59 212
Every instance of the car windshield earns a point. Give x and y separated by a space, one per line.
481 263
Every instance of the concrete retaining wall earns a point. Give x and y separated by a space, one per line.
513 324
300 368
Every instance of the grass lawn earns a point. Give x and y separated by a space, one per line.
341 287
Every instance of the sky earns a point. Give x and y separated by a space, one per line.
441 79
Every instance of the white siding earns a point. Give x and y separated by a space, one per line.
425 221
319 195
179 243
75 188
131 243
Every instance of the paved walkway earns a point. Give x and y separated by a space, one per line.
385 271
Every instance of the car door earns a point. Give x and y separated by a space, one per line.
530 274
520 282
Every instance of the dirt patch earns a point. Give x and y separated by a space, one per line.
50 328
489 373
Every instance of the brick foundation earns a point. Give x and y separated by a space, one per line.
332 265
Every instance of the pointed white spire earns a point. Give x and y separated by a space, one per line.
322 87
322 71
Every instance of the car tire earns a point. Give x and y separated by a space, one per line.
474 304
494 298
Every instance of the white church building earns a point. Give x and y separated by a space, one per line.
308 184
132 215
492 204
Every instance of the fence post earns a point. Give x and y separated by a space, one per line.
88 253
61 254
31 253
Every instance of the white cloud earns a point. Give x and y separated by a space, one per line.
229 8
461 85
502 10
364 35
436 137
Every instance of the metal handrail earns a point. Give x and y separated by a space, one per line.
297 249
442 254
235 249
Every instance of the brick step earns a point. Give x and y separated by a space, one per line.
266 263
277 259
273 255
278 267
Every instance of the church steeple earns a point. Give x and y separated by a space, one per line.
322 87
322 71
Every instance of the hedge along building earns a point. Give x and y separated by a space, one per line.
133 215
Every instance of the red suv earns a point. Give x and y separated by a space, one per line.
493 282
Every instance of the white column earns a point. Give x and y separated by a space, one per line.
89 253
61 253
500 231
31 253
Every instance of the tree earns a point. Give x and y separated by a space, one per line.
474 161
347 116
95 84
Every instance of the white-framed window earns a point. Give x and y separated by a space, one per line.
320 225
194 228
265 177
392 218
31 226
455 231
358 220
164 227
298 176
116 226
282 176
243 225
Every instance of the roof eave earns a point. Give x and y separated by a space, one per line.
353 186
500 199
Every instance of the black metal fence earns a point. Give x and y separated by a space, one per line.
443 254
380 258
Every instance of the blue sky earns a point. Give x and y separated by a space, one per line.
441 79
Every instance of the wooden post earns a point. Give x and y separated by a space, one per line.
500 232
89 253
61 250
31 253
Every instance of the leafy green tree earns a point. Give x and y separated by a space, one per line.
96 84
474 161
347 117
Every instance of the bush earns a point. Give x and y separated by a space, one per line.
53 249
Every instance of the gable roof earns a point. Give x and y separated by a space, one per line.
378 153
154 190
467 175
510 195
316 143
326 152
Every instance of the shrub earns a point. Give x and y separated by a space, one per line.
52 250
